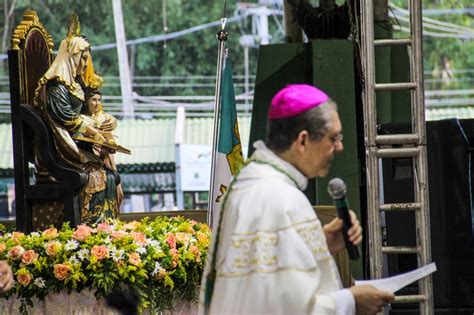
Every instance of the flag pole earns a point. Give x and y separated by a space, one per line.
222 37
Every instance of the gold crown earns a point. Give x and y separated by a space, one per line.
73 27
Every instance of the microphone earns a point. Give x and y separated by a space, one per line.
337 190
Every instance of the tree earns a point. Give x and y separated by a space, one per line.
193 54
448 56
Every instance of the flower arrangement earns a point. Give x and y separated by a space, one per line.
162 260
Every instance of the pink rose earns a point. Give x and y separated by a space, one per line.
17 237
171 240
139 238
3 246
61 271
82 232
104 227
50 233
24 277
52 248
100 252
118 235
182 238
16 252
29 257
134 259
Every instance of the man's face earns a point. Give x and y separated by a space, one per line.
318 155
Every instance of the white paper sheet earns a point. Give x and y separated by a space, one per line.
395 283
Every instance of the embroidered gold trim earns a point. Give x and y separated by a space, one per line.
238 274
280 228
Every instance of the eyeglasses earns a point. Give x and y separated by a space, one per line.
335 139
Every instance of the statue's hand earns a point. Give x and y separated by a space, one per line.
110 124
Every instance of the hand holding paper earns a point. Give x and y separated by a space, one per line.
395 283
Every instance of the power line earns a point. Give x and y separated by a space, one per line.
161 37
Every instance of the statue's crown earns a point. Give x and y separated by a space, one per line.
73 27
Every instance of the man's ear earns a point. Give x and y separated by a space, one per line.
302 140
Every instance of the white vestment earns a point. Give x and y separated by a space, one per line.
272 255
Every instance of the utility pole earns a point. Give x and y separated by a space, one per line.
124 68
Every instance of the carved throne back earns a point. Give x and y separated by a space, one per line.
51 201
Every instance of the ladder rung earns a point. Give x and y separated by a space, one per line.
397 139
392 42
401 206
398 152
403 299
399 250
395 86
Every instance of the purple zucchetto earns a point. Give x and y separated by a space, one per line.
295 99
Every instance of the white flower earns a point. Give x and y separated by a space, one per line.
107 240
157 268
73 260
141 250
83 254
35 234
156 245
71 245
116 254
39 282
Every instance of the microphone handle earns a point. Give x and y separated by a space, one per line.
343 213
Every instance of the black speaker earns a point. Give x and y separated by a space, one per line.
451 213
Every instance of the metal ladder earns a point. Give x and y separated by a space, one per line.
407 146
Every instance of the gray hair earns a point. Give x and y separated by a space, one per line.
282 132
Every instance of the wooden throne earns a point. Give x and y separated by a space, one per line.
29 58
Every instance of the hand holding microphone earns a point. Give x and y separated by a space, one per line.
337 189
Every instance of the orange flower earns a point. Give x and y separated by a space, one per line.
118 235
104 227
16 252
17 237
160 274
139 238
133 225
182 238
100 252
50 233
24 277
82 232
61 271
171 240
134 259
194 250
175 256
52 248
29 257
202 238
3 246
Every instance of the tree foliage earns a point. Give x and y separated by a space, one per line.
192 54
445 57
